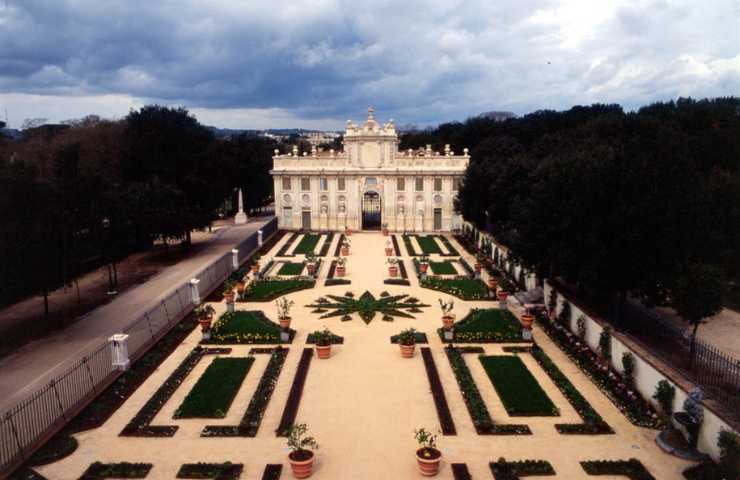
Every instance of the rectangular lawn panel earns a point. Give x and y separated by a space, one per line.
464 288
443 268
307 244
242 326
519 391
214 391
266 290
290 268
488 326
428 244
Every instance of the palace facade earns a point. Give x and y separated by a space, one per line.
369 184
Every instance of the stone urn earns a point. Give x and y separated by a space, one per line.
692 415
407 351
323 351
428 460
302 468
284 322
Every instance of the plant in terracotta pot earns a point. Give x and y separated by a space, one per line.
341 269
502 295
323 343
240 285
347 231
311 263
478 267
385 229
256 264
229 291
283 308
527 319
407 342
345 247
447 317
301 447
423 264
205 317
393 267
428 457
492 284
388 248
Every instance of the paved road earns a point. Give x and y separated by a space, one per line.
34 364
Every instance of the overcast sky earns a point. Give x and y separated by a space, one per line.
315 63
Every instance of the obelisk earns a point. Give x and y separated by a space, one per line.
241 217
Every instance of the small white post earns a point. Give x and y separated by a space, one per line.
235 258
259 238
119 344
195 294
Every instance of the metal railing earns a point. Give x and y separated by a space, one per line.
35 419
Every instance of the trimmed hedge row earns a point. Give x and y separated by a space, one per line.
217 471
99 471
632 468
503 470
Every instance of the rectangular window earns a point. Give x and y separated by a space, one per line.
419 182
340 184
437 184
400 184
323 184
286 183
456 181
305 184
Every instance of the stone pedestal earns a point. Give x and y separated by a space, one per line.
503 304
234 258
240 217
119 350
259 238
527 333
230 307
194 293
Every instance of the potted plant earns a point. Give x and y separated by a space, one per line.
492 284
423 264
256 264
311 263
502 294
478 267
527 319
385 229
205 317
388 248
341 269
347 231
428 457
240 285
345 247
393 267
447 317
229 291
407 342
323 343
283 308
301 450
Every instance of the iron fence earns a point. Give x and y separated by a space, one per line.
39 416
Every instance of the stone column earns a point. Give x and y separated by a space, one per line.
234 258
259 238
194 293
119 350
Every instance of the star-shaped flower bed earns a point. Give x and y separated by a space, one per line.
367 306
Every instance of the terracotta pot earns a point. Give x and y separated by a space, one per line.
393 271
205 324
447 321
324 351
311 268
428 467
492 284
284 323
240 286
527 321
256 267
502 295
385 232
229 297
340 271
348 232
407 351
301 468
345 251
423 267
388 252
478 267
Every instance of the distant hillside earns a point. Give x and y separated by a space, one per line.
230 132
497 116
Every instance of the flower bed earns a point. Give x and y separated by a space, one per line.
99 470
307 244
214 391
139 426
462 287
629 402
443 268
272 471
592 422
438 393
248 327
503 470
519 391
474 402
296 392
270 289
217 471
486 326
632 468
290 268
250 422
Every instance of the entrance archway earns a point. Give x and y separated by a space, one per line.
371 213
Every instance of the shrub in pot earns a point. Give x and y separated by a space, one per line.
311 263
385 229
283 308
347 231
388 249
427 457
527 319
407 342
256 264
323 343
229 291
345 247
301 447
341 269
393 267
205 317
492 284
423 264
447 317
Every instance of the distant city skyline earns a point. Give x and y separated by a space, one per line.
315 64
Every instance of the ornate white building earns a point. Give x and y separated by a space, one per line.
368 184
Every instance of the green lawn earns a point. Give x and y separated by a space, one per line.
488 326
464 288
290 268
212 395
519 391
307 244
265 290
428 244
245 327
443 268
